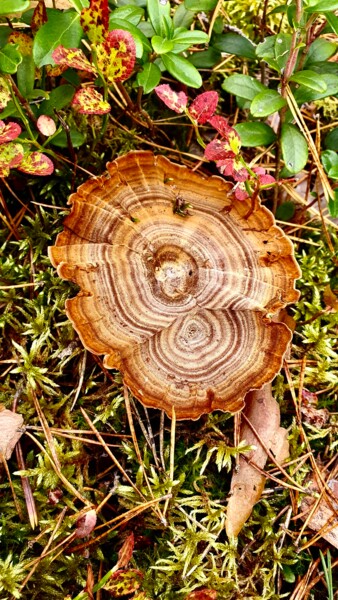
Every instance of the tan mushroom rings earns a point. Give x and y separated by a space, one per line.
180 304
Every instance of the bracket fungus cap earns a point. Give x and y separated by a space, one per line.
181 305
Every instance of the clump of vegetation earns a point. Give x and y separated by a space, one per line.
102 497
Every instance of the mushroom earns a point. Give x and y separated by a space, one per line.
180 301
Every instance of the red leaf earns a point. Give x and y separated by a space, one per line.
73 58
90 102
36 163
263 177
46 125
116 55
240 192
126 551
9 132
86 524
203 107
95 20
203 594
177 101
11 155
233 168
39 16
23 41
220 124
218 150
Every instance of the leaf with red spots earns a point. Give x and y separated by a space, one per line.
95 20
23 41
73 58
116 56
220 124
123 582
9 132
234 168
36 163
11 155
39 16
88 101
203 107
46 125
176 101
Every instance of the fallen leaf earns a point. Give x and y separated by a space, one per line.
325 517
262 410
36 163
10 424
122 583
203 107
88 101
176 101
330 298
126 551
86 524
46 125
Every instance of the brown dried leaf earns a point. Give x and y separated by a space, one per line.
86 524
325 516
262 410
330 298
10 424
126 551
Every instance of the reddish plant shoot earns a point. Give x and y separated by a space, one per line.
176 101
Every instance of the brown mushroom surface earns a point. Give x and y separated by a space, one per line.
180 305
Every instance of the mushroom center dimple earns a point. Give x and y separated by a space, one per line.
175 272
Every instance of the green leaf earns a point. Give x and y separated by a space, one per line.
254 133
182 69
244 86
331 140
190 37
266 103
10 58
132 14
159 16
310 79
285 211
288 573
80 4
26 75
77 139
205 59
142 43
59 97
183 17
13 6
329 160
303 94
333 204
61 28
161 45
294 148
233 43
333 22
322 6
149 78
282 49
200 5
320 50
266 51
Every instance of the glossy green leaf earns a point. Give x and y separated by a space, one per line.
200 5
322 6
333 22
10 58
244 86
285 211
61 141
13 6
310 79
333 204
233 43
266 51
161 45
331 140
254 133
266 103
304 94
26 75
61 28
190 37
183 17
149 78
320 50
205 59
294 148
182 69
329 160
59 97
142 43
282 49
132 14
159 16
